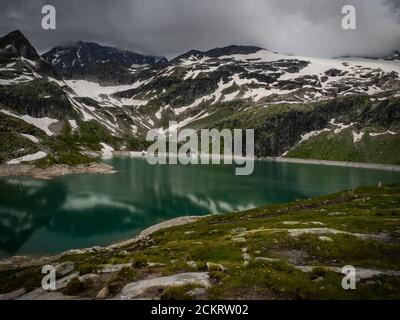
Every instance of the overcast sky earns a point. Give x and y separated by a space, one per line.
171 27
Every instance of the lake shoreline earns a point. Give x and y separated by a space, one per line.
105 168
54 171
24 261
349 164
362 165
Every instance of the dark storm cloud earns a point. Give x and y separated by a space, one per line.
170 27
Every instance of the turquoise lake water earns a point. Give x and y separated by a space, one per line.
46 217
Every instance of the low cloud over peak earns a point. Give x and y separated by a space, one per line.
170 27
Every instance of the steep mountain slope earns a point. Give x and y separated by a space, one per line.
91 61
295 104
36 114
287 99
195 83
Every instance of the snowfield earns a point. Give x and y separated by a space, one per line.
30 157
41 123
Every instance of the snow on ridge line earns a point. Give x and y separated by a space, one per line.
41 123
317 66
30 157
268 56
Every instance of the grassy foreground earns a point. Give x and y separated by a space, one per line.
283 251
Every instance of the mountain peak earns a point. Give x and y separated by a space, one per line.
220 51
232 49
96 62
81 43
20 45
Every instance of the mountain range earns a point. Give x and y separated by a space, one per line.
74 100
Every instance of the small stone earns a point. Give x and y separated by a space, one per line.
239 240
263 259
337 213
155 264
196 292
112 268
192 264
244 250
325 239
64 269
188 232
315 223
215 267
89 278
103 293
246 263
239 230
246 256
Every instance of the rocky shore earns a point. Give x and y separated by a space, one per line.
375 166
54 170
29 261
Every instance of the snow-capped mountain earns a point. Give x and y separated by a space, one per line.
87 60
19 59
191 86
294 103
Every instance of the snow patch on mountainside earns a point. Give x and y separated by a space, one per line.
30 157
376 134
107 151
30 137
41 123
317 65
94 90
311 134
357 137
341 126
73 124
